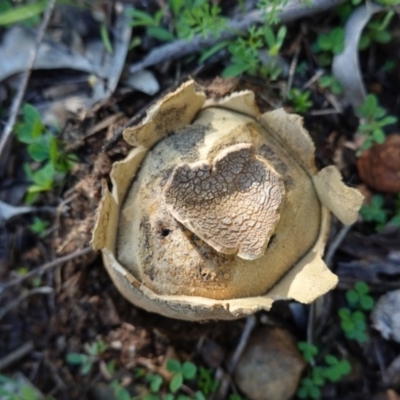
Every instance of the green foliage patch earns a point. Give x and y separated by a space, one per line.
49 163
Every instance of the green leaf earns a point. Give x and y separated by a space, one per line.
76 358
30 113
189 370
160 33
141 18
173 365
212 50
176 382
352 297
39 226
39 151
361 286
364 42
382 37
44 176
120 392
388 120
86 367
234 70
105 37
22 13
156 382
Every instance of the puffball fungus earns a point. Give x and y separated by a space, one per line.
219 210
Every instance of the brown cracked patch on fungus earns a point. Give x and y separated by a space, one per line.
232 204
218 210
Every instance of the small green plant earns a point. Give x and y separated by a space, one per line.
308 350
375 212
11 389
245 56
39 226
328 44
353 320
300 100
197 18
331 370
50 163
353 324
373 119
206 383
377 31
86 361
187 370
329 82
271 10
155 382
359 297
120 392
189 18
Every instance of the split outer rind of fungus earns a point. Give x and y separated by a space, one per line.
166 256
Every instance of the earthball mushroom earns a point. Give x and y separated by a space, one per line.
219 210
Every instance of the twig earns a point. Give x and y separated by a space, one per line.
45 267
13 304
336 243
180 48
292 71
16 355
16 104
248 328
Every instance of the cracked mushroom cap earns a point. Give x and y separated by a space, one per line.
218 210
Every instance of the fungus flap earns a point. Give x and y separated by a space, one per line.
342 200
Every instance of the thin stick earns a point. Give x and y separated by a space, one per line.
16 355
248 328
45 267
13 304
16 104
180 48
336 242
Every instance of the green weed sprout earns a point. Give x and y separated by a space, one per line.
205 381
359 297
308 350
376 31
274 7
39 226
155 382
332 41
194 17
332 370
13 390
373 119
119 391
353 320
329 82
85 361
353 324
328 44
200 18
245 56
300 100
374 212
187 370
45 151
